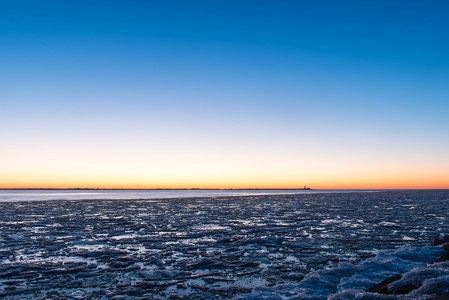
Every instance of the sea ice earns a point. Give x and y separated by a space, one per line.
309 246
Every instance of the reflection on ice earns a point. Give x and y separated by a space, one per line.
45 195
210 227
124 236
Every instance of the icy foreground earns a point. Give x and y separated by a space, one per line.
258 247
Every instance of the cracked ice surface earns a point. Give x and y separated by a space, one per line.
287 246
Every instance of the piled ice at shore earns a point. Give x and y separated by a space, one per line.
351 281
257 247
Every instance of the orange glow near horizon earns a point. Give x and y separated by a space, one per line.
435 182
215 165
228 175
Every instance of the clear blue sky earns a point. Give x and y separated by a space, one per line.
224 93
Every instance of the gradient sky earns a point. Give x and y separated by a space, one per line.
224 94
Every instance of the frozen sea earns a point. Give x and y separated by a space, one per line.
220 244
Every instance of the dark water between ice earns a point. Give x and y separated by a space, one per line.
302 246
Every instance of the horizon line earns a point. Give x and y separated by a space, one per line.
224 189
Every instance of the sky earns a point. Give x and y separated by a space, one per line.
224 94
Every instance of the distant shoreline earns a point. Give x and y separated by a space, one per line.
159 189
219 189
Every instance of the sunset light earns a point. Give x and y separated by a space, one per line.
219 95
